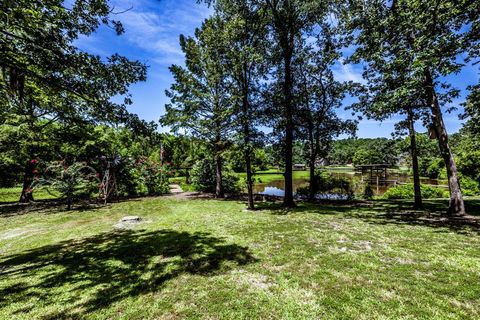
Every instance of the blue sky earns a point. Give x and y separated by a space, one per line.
152 29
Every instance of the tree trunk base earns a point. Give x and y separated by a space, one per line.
289 204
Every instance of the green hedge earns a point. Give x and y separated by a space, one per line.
406 192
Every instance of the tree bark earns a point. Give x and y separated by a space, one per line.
248 163
248 151
27 193
313 158
288 201
414 153
456 206
218 176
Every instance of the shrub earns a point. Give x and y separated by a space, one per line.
155 176
328 187
77 181
368 192
138 177
433 168
203 177
406 192
469 186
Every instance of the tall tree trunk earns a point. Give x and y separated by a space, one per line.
456 206
248 151
218 175
28 176
248 163
313 157
288 201
414 153
27 193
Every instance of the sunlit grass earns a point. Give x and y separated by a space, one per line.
212 259
13 194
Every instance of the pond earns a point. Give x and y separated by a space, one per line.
276 187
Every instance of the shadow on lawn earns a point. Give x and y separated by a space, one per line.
53 206
390 212
401 213
100 270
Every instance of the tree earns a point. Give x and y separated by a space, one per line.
247 67
388 92
319 95
430 37
201 99
290 20
58 82
472 110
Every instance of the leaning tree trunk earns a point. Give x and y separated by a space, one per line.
288 201
28 176
414 153
456 206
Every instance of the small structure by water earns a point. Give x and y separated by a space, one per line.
300 167
378 173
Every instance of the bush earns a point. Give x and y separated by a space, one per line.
9 174
203 177
469 186
406 192
368 192
74 182
138 177
328 187
155 176
128 178
433 168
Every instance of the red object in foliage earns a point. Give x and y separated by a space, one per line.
33 161
34 171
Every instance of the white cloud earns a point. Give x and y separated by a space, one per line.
155 26
347 72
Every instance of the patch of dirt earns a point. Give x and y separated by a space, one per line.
354 247
128 223
254 280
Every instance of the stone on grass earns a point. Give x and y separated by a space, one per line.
131 219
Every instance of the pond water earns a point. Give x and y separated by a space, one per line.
357 180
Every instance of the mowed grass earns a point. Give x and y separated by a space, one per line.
13 194
273 175
211 259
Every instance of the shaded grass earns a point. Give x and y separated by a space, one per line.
211 259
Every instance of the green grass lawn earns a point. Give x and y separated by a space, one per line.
211 259
13 194
266 177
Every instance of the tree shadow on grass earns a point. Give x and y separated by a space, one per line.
433 215
95 272
53 206
390 212
319 207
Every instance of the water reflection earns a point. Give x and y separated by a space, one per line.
357 181
271 191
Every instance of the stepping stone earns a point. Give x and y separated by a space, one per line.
132 219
